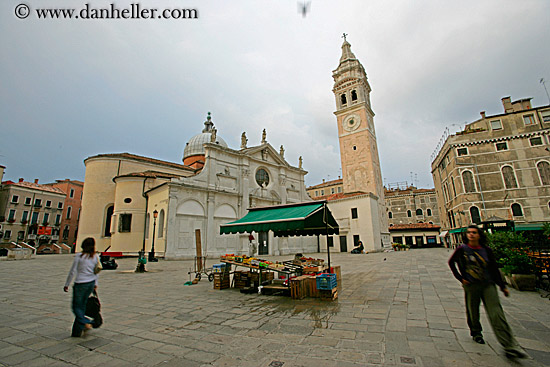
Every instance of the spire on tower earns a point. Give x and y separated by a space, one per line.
346 50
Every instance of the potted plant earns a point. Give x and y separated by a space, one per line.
518 268
11 220
24 221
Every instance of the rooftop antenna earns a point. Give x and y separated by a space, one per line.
543 82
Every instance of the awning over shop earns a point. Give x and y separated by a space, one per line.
457 230
529 227
302 219
443 234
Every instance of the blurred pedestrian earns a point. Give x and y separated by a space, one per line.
474 265
84 270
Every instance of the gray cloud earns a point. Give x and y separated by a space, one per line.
71 89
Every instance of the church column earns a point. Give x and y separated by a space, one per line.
172 226
210 239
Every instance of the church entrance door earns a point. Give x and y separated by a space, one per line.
263 244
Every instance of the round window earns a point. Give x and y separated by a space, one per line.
128 200
262 177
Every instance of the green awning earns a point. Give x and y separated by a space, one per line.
302 219
457 230
529 227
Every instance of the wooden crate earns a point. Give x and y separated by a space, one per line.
338 271
297 288
221 281
310 285
328 295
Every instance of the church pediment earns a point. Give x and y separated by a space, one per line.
266 153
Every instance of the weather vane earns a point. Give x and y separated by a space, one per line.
344 36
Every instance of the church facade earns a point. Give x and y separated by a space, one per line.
214 185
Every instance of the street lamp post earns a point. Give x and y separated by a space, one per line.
152 257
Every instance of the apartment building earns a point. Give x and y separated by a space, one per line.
497 168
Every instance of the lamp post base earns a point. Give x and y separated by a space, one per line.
152 257
140 268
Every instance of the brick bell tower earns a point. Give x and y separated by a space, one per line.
356 133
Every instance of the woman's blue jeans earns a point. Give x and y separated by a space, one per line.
81 292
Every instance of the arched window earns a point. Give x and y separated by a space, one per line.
429 212
161 223
353 95
544 172
108 217
468 181
474 213
516 210
390 215
343 99
419 212
409 213
509 177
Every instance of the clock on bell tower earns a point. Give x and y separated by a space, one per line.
358 148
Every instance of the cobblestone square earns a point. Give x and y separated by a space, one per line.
394 309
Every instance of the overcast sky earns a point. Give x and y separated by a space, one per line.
70 89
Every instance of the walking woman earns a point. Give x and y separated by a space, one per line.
478 273
84 271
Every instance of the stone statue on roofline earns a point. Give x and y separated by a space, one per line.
244 140
264 137
282 152
213 135
300 162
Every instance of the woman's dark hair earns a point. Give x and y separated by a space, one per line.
88 247
482 236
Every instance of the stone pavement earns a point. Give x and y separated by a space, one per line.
394 309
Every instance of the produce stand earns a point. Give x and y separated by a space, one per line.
310 218
299 274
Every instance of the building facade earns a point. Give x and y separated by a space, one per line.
359 206
498 167
30 212
413 216
326 188
71 209
215 185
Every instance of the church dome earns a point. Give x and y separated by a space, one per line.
195 145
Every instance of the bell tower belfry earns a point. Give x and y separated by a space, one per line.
356 133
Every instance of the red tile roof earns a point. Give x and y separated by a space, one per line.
325 184
339 196
35 186
413 226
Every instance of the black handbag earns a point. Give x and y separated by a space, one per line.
93 308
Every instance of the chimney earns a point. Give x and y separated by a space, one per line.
323 180
36 181
482 113
21 179
507 104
